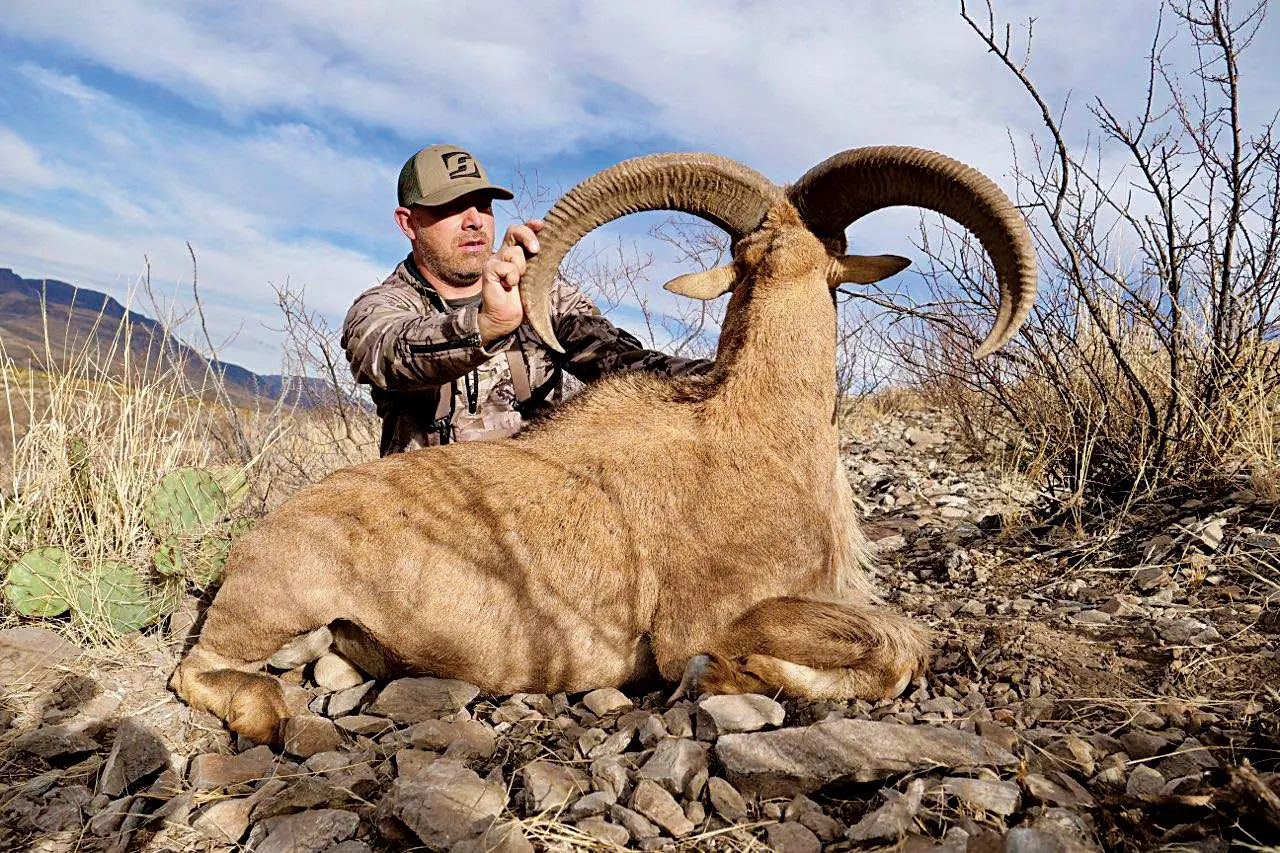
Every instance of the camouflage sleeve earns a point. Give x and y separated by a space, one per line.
391 344
594 346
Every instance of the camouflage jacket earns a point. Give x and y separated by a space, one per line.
432 382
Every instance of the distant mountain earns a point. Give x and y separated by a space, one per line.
85 323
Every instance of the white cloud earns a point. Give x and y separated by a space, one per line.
21 167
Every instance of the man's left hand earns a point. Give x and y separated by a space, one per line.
501 311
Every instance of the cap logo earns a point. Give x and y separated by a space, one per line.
458 164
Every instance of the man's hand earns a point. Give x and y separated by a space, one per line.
501 311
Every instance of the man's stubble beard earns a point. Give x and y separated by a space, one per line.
460 272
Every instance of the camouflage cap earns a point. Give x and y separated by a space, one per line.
440 173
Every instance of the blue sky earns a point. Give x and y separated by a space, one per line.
269 135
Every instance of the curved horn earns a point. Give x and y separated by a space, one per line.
844 188
717 189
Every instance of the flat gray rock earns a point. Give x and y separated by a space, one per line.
550 787
460 739
443 803
137 752
674 763
601 830
792 838
225 820
212 771
636 824
345 701
797 760
726 800
306 735
31 656
606 700
740 712
412 700
1144 782
652 800
305 832
56 742
1001 798
891 821
592 805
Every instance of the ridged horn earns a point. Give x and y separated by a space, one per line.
844 188
714 188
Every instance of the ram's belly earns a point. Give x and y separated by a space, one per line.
504 626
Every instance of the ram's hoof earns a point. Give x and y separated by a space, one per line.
691 681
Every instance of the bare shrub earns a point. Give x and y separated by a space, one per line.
1149 359
330 423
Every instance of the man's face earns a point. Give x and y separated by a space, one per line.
453 240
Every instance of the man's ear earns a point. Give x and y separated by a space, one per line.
703 285
404 219
864 269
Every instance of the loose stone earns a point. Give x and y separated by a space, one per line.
550 786
652 801
212 771
891 821
138 752
333 672
792 838
305 832
741 712
412 700
726 800
602 830
606 700
674 763
797 760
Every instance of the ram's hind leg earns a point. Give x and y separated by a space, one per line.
245 625
816 649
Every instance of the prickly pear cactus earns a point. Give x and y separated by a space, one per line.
167 558
168 595
234 482
186 502
116 592
12 519
37 582
210 559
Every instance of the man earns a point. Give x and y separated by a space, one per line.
441 341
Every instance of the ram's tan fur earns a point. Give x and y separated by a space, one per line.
647 522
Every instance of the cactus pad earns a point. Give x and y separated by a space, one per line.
116 592
234 482
37 582
186 502
168 557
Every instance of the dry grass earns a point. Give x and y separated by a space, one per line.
85 442
857 414
1082 430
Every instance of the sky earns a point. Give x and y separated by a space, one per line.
268 136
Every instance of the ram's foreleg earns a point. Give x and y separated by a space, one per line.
815 649
247 623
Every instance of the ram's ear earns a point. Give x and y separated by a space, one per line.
864 269
703 285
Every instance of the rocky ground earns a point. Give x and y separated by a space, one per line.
1115 691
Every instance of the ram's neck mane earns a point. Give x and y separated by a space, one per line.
776 369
